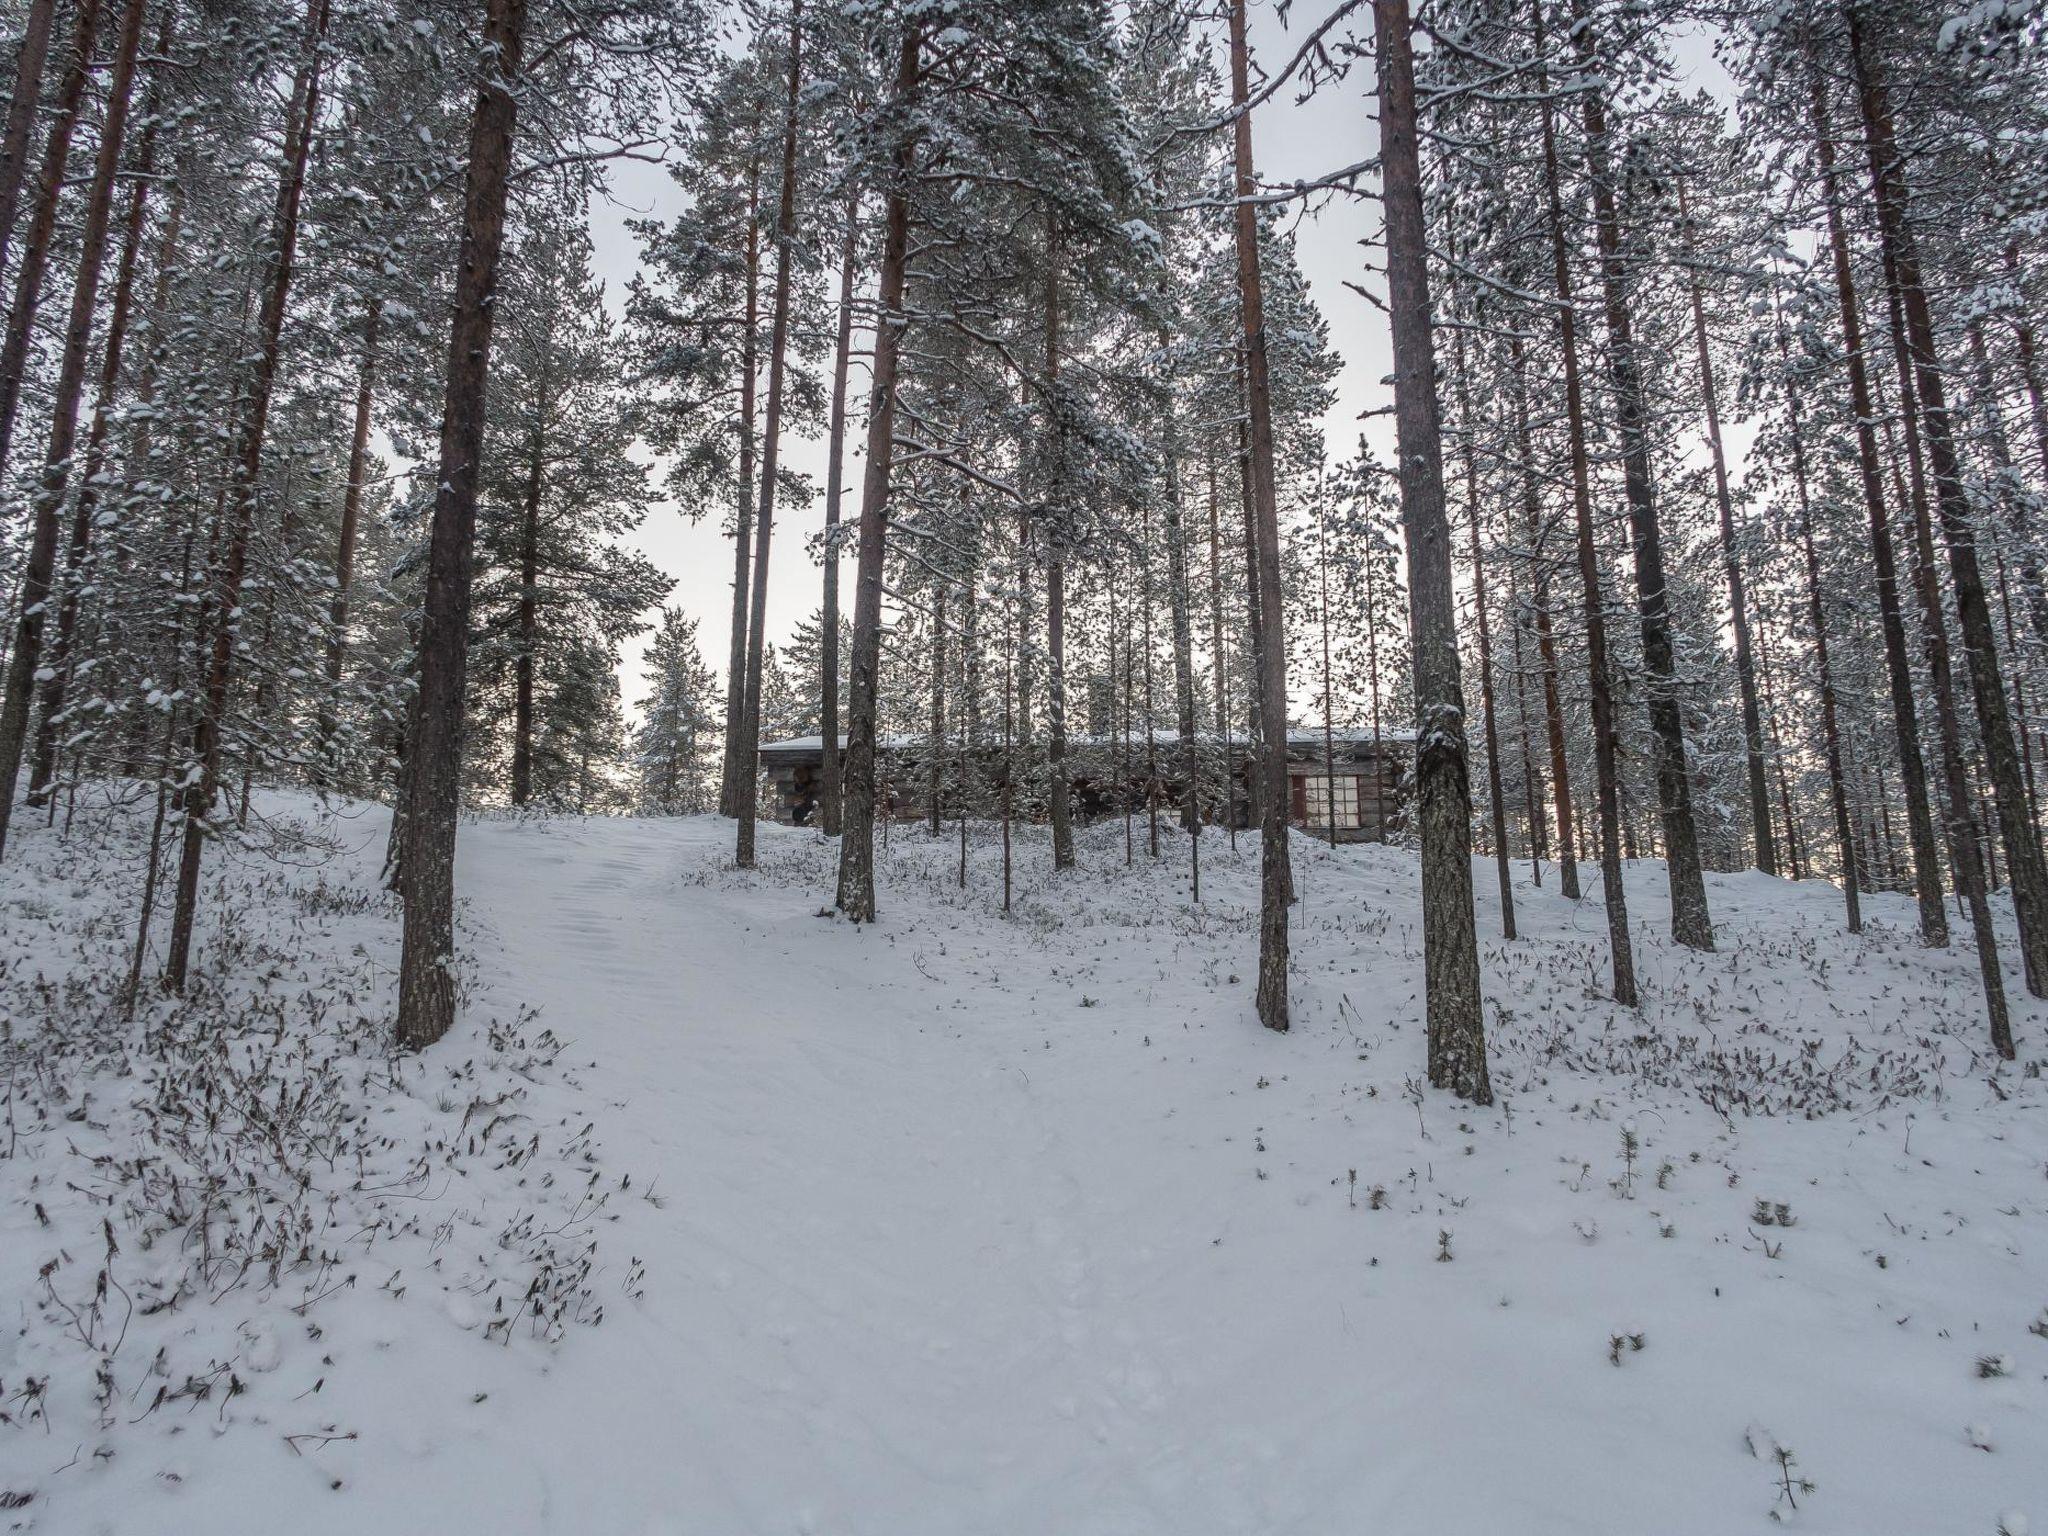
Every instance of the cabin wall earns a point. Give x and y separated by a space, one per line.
1368 797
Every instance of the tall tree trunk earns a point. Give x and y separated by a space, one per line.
1891 611
351 516
1443 795
743 514
35 254
528 615
1532 776
856 894
829 790
1183 631
1329 693
748 762
218 630
1965 850
1606 736
1220 659
1816 622
1546 639
1497 797
1275 882
57 671
2014 507
2029 358
935 752
1690 924
1061 792
1731 559
29 61
426 977
2025 868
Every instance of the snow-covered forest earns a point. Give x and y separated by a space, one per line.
798 766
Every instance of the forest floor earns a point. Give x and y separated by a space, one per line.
718 1215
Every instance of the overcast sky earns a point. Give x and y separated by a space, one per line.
1291 140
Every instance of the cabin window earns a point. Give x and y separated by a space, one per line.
1319 799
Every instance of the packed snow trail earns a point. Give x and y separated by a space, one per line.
982 1225
966 1224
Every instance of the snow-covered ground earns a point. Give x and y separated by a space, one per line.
967 1223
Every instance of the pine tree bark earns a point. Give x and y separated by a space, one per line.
830 794
1061 791
30 59
220 616
1276 885
1690 923
1606 736
1532 776
1443 795
1183 629
1731 558
1546 639
748 786
1816 623
527 618
743 513
35 253
57 670
1497 796
426 978
856 894
1891 610
935 751
1966 851
2025 868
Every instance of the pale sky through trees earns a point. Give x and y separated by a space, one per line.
1295 140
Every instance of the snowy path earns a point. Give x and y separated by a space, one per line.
855 1189
979 1226
967 1224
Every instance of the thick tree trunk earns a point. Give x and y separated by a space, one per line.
748 763
1606 737
426 978
2024 864
1546 639
829 790
1731 561
1690 923
1965 849
856 894
1443 796
29 61
1891 610
35 253
57 468
1276 885
743 515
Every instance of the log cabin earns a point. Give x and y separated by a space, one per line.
1355 777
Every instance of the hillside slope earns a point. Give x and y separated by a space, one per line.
970 1223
